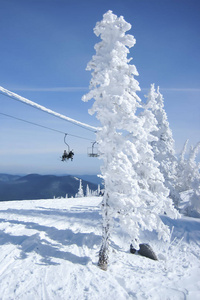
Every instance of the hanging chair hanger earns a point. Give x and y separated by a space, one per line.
67 155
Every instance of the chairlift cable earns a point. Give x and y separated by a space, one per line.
17 97
39 125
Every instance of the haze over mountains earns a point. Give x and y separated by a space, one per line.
35 186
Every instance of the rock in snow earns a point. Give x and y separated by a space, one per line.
145 250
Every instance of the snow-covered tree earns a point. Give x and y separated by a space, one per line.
163 146
80 193
88 192
182 180
189 179
123 139
194 166
188 168
98 190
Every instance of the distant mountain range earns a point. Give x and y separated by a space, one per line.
34 186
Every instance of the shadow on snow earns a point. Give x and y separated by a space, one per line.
58 237
187 229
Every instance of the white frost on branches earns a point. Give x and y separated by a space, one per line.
188 169
189 179
134 189
80 193
163 146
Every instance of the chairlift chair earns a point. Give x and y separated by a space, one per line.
67 154
93 151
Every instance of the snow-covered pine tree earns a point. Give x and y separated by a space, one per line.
88 192
183 152
80 193
188 171
182 170
113 87
152 193
194 207
98 190
163 146
194 165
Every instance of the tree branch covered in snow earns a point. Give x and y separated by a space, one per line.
134 189
163 145
188 181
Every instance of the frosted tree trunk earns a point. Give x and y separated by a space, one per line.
104 251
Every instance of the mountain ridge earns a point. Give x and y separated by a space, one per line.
36 186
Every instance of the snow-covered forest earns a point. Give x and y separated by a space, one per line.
151 195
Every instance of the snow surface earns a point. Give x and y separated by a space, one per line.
49 250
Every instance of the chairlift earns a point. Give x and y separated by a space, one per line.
93 151
67 154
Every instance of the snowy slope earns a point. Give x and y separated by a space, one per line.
49 250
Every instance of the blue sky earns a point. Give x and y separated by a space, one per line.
45 47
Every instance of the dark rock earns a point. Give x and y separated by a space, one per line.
145 250
132 250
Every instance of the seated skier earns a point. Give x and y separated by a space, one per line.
64 156
70 155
